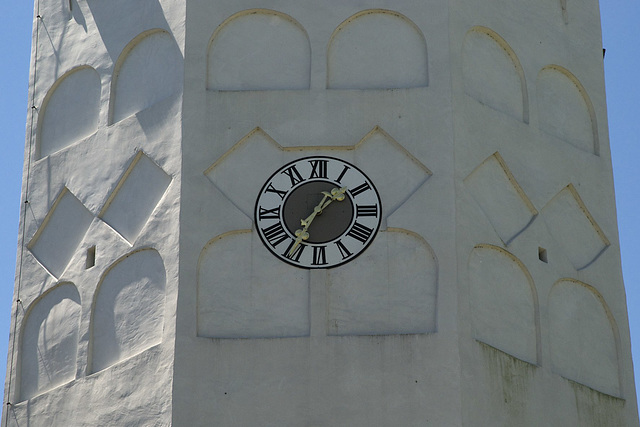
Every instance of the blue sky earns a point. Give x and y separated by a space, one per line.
621 34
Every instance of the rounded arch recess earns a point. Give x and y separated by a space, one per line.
49 341
492 73
584 337
127 313
565 109
361 56
259 49
70 110
264 299
149 70
504 303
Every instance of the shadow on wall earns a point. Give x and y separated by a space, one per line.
149 70
70 110
119 21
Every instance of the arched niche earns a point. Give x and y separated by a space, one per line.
492 73
503 302
128 309
259 49
149 69
377 49
69 111
379 294
565 110
583 336
49 341
262 298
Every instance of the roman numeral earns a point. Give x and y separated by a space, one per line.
293 175
275 234
269 213
318 168
319 255
343 250
272 189
360 232
346 168
359 189
366 210
295 256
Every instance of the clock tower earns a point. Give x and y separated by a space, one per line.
285 213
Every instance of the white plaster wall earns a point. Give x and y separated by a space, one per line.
423 354
86 172
386 355
502 390
279 59
70 111
50 341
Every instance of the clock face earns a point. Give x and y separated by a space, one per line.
318 212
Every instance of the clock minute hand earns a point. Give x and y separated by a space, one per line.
302 234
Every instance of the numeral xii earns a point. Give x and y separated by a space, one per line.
318 168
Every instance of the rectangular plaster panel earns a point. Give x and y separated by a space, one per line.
574 228
60 233
135 197
500 197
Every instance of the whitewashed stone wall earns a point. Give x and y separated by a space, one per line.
492 295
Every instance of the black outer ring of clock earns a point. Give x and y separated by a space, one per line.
283 167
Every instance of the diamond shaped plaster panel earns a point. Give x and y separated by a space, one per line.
376 153
502 200
574 228
135 197
60 233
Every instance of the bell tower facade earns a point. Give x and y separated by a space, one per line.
285 213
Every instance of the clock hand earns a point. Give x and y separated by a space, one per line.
302 234
336 194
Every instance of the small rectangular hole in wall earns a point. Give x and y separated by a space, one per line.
91 257
542 254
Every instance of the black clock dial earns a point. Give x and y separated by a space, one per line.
327 226
318 212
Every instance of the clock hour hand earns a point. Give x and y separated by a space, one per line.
302 234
